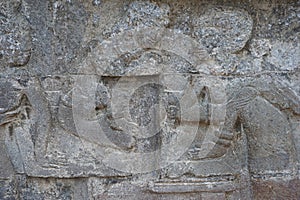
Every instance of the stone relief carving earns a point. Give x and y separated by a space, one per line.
249 95
251 127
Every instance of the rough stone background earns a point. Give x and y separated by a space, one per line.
254 45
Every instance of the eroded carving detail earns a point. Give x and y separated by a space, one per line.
253 156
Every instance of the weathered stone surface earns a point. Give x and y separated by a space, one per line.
149 99
15 35
223 29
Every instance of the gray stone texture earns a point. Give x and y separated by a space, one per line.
160 99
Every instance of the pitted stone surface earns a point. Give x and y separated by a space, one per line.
223 29
15 35
149 99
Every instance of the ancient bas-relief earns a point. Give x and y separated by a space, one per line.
149 100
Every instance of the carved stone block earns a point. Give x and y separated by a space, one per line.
149 100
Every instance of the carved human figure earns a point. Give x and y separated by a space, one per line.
258 109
